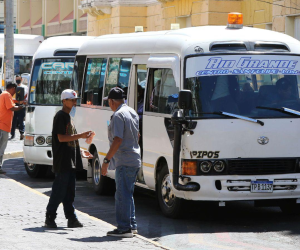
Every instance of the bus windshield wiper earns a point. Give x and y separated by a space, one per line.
283 110
245 118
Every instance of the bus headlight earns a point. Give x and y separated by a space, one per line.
219 166
29 140
40 140
49 140
189 168
205 166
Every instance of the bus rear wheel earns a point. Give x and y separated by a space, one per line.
35 170
169 204
290 207
102 185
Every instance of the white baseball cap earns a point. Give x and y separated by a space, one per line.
69 94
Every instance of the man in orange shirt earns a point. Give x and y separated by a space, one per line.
7 106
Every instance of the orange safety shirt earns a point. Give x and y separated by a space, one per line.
6 115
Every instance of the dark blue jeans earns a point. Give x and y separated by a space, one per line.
63 191
125 210
18 118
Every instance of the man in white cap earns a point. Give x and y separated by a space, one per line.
66 160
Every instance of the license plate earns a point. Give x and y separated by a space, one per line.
261 186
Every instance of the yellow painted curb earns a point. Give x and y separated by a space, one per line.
90 217
11 155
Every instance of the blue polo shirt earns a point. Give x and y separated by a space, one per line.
124 124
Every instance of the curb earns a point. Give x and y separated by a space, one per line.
11 155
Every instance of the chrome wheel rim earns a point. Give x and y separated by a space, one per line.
167 194
97 171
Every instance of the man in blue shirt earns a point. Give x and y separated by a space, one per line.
124 157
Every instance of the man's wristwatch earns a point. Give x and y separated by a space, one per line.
106 160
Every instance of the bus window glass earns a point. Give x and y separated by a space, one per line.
118 75
162 93
95 75
49 78
241 94
22 64
78 72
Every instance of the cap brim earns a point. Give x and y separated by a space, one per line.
105 98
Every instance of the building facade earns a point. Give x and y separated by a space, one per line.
50 17
2 14
100 17
121 16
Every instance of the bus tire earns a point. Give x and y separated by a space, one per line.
290 207
102 184
36 170
169 204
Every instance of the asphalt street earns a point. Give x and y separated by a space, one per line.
238 225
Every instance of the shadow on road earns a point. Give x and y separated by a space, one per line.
197 217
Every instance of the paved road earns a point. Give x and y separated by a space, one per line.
237 226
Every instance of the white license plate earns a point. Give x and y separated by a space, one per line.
261 186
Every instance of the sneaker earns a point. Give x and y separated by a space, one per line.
118 233
11 138
50 223
2 171
21 137
134 231
72 223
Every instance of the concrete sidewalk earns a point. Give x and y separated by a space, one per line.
22 215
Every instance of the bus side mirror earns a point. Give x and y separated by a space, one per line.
185 99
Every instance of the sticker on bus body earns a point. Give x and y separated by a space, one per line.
242 64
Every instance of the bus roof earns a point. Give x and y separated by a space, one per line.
52 44
183 41
23 44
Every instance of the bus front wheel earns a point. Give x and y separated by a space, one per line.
102 185
169 204
35 170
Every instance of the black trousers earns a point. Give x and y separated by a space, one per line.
63 191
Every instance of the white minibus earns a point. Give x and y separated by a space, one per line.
51 73
24 48
221 112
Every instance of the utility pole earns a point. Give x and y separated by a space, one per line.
8 41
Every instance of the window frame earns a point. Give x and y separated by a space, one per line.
149 78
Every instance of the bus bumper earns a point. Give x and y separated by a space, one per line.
38 155
235 188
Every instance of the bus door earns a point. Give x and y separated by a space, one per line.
160 103
136 98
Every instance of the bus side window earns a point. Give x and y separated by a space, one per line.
76 82
118 75
162 93
95 75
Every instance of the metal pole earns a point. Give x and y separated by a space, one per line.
9 41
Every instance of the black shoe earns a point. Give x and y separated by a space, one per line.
72 223
118 233
22 137
50 221
11 138
2 171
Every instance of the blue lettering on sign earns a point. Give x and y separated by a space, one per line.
57 66
123 74
247 65
246 62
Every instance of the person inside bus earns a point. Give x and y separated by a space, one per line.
225 94
285 90
154 100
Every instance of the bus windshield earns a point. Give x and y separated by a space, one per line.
242 90
22 64
49 78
